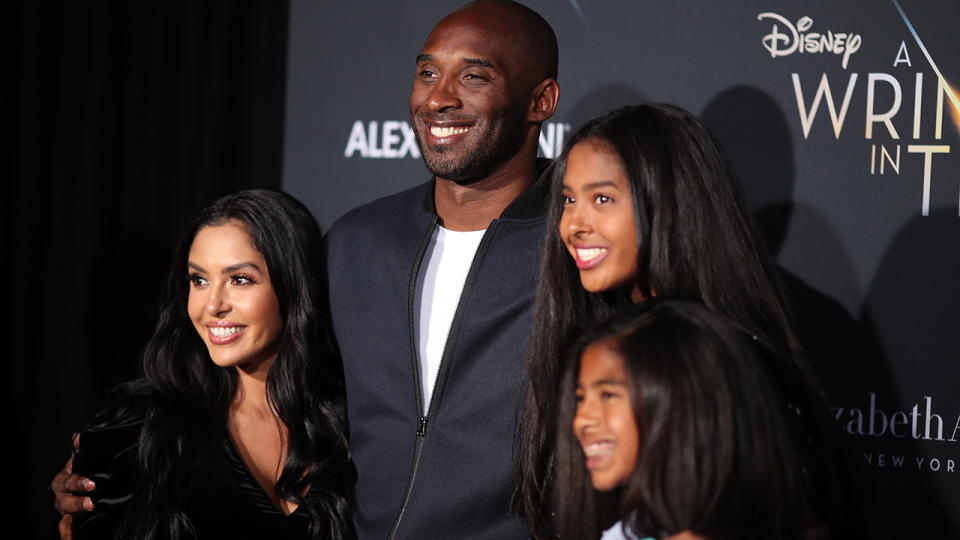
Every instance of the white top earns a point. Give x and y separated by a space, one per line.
444 271
617 533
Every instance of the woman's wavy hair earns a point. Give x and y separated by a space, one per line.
186 396
721 446
696 241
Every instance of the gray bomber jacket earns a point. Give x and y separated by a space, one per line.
447 472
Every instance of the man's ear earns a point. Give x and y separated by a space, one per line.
543 100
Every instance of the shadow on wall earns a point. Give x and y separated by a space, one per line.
850 356
754 132
911 308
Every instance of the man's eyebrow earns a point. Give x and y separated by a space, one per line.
483 62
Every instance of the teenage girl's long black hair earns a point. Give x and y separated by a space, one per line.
185 397
696 241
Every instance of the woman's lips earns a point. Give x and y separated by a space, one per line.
222 334
588 257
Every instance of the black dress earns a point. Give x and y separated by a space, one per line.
223 500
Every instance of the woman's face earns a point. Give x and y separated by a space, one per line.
232 302
597 225
604 424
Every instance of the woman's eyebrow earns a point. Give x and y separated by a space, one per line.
240 266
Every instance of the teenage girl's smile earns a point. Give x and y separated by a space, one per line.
597 225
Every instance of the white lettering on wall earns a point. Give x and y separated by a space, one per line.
796 38
552 136
392 140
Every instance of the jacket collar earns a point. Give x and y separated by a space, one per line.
532 203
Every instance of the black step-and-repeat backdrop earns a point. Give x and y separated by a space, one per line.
843 126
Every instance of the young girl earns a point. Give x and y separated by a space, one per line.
683 423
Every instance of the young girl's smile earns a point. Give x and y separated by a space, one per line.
604 424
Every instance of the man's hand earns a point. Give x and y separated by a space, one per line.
70 491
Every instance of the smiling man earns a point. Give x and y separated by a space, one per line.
431 289
485 81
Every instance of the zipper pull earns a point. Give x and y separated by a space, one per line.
422 426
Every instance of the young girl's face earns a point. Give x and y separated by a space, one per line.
597 225
604 423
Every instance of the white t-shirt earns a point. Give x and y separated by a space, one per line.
443 272
617 532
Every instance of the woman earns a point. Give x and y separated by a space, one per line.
237 427
686 427
646 205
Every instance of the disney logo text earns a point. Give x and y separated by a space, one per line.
795 38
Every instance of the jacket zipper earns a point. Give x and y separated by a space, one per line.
421 418
411 312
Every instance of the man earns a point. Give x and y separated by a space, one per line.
434 458
431 289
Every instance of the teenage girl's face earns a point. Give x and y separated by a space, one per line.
604 423
597 225
232 302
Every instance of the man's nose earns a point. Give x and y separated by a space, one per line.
443 95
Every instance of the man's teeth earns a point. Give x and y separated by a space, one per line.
598 449
447 131
589 254
224 331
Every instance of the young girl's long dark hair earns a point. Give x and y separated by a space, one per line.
185 397
721 446
696 241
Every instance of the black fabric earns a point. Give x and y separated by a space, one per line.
225 500
128 118
464 477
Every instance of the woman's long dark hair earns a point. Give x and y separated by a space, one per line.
696 241
185 396
721 447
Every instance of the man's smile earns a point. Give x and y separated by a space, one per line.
442 132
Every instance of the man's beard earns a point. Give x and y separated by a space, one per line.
487 146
